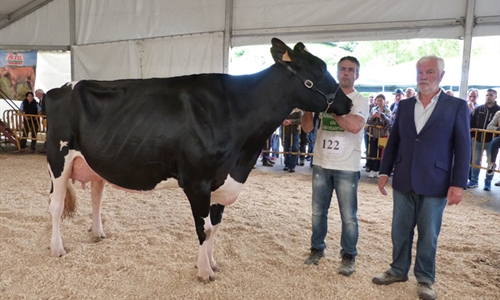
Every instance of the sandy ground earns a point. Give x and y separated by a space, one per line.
151 249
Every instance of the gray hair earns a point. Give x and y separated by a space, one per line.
440 61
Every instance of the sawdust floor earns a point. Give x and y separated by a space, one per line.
151 249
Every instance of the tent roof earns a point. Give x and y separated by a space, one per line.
249 22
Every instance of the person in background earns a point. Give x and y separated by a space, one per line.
398 96
480 117
29 106
41 98
429 151
371 105
336 164
450 92
304 141
410 92
291 135
495 142
472 95
380 115
266 160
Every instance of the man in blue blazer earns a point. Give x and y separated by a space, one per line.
429 151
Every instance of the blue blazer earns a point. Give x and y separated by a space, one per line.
438 157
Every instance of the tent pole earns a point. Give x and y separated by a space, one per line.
227 35
72 36
469 25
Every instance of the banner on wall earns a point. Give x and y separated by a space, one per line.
17 73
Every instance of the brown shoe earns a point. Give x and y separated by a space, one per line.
426 291
387 278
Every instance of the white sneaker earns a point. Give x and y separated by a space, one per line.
378 175
371 174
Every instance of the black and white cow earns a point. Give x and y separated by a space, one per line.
202 133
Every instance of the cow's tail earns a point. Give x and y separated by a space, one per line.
69 202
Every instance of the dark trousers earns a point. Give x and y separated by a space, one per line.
32 127
373 164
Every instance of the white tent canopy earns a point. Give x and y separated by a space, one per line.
140 39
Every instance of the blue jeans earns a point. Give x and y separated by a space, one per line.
426 213
345 184
291 145
495 145
476 159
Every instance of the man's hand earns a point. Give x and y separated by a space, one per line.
382 181
287 122
455 195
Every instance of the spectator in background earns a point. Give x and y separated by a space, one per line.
380 115
304 141
398 96
410 92
41 97
494 146
480 117
371 105
266 161
291 135
29 106
450 92
472 95
429 150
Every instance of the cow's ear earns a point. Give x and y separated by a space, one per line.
300 47
280 51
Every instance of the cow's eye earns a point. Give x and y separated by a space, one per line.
322 70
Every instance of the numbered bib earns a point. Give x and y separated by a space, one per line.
332 146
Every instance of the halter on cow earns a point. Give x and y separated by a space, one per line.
202 133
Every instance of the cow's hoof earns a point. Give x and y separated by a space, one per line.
215 268
57 252
97 239
210 278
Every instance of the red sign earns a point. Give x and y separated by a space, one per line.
14 59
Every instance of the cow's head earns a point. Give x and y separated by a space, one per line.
319 90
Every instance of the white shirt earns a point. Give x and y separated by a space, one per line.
335 148
422 114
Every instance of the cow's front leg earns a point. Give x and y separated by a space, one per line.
97 188
215 218
204 263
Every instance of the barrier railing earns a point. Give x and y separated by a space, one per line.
482 140
26 126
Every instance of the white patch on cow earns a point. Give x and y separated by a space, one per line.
62 145
170 183
227 193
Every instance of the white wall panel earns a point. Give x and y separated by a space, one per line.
159 57
106 61
116 20
182 55
53 69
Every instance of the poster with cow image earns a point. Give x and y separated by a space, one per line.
17 73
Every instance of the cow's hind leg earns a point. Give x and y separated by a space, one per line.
61 192
97 188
